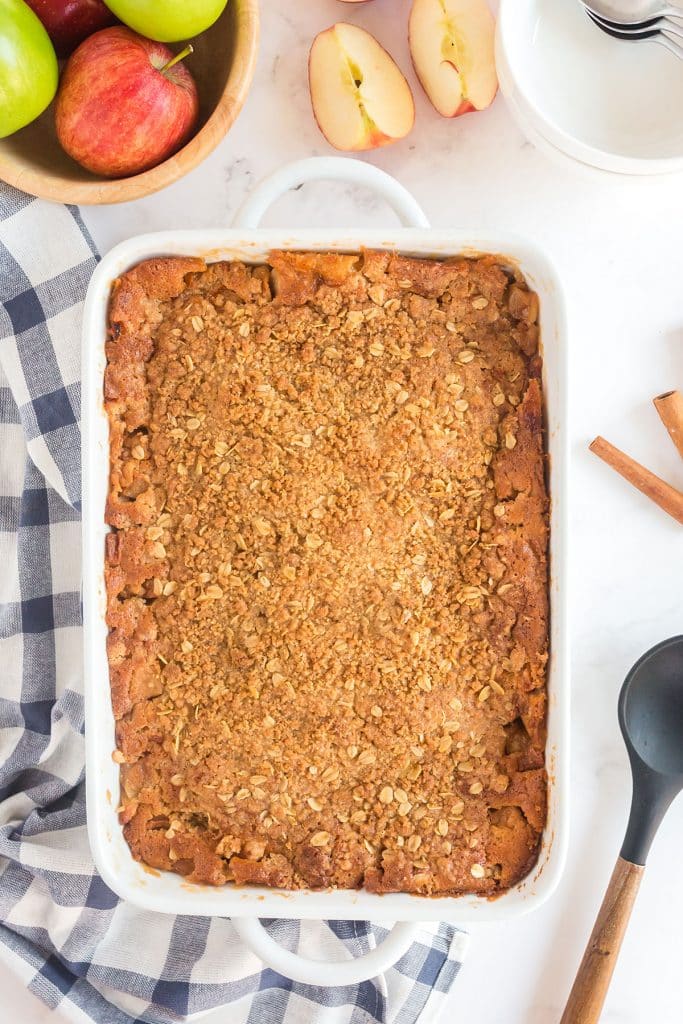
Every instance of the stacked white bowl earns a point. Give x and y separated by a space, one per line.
608 103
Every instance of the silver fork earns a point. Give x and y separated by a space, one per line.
632 12
670 28
642 33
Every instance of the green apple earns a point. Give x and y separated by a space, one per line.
167 21
28 67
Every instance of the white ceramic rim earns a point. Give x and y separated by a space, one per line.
529 113
168 893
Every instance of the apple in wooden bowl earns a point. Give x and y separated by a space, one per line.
222 65
125 103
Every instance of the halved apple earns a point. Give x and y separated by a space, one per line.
360 98
452 46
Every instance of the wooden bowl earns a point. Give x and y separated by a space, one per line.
223 65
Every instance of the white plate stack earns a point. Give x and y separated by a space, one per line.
607 103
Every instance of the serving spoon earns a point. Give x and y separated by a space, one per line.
632 12
651 721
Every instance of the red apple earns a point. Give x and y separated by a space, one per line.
69 22
124 104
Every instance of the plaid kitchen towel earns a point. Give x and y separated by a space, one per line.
62 930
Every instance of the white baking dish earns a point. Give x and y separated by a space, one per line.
167 892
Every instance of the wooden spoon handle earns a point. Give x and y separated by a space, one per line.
589 990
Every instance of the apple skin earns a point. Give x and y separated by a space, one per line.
69 22
117 113
28 67
168 21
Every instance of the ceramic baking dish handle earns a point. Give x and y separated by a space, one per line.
330 168
328 973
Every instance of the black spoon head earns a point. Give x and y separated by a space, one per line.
651 709
651 720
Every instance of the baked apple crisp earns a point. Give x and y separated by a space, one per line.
327 571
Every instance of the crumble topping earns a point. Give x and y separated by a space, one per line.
327 577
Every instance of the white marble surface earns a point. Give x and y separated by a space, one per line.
617 245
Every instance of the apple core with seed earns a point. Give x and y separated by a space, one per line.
360 97
452 46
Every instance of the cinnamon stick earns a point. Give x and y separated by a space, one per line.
670 409
667 497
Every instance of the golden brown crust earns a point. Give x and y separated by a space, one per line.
327 580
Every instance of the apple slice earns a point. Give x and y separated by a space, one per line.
452 46
360 98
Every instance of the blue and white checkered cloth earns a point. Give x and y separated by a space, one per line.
66 935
